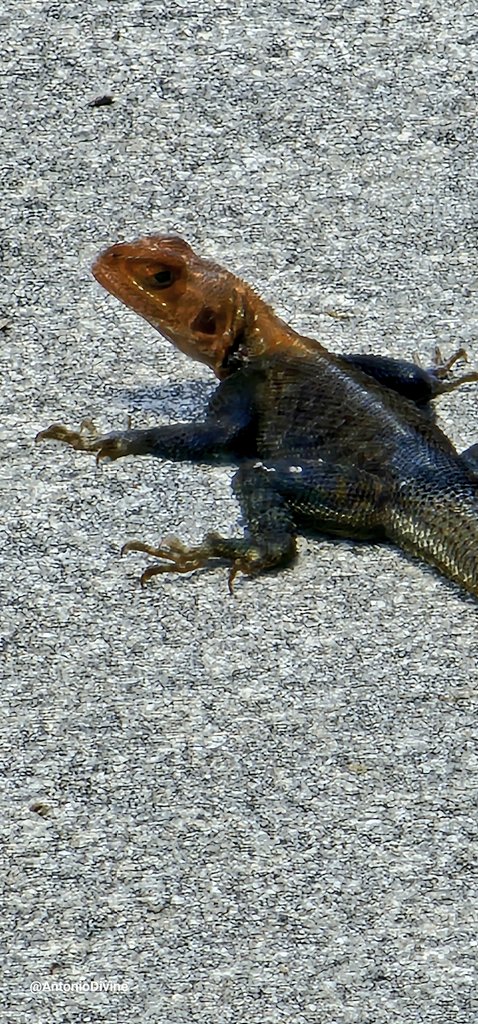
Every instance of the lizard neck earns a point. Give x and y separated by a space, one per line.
265 333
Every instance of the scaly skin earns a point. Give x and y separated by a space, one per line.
340 443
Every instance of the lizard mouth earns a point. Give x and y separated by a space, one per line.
236 355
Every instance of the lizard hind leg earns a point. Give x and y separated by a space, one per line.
243 555
270 542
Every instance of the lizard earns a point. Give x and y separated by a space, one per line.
340 444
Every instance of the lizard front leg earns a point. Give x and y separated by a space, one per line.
412 381
192 441
85 439
229 413
116 444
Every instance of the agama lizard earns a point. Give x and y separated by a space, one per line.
342 444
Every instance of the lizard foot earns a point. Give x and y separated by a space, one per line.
441 368
177 557
111 446
81 439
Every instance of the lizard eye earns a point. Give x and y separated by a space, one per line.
163 278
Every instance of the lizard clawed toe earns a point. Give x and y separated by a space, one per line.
108 447
177 556
441 370
81 440
240 565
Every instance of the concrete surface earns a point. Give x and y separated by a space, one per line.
259 808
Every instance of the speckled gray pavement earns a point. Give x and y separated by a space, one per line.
259 808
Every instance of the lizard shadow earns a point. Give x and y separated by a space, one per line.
358 547
183 399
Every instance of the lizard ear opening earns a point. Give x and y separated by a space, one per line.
205 322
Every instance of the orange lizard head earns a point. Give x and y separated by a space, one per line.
191 301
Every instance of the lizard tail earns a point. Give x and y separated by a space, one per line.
443 531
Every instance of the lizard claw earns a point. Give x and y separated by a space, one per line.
248 566
235 569
110 447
